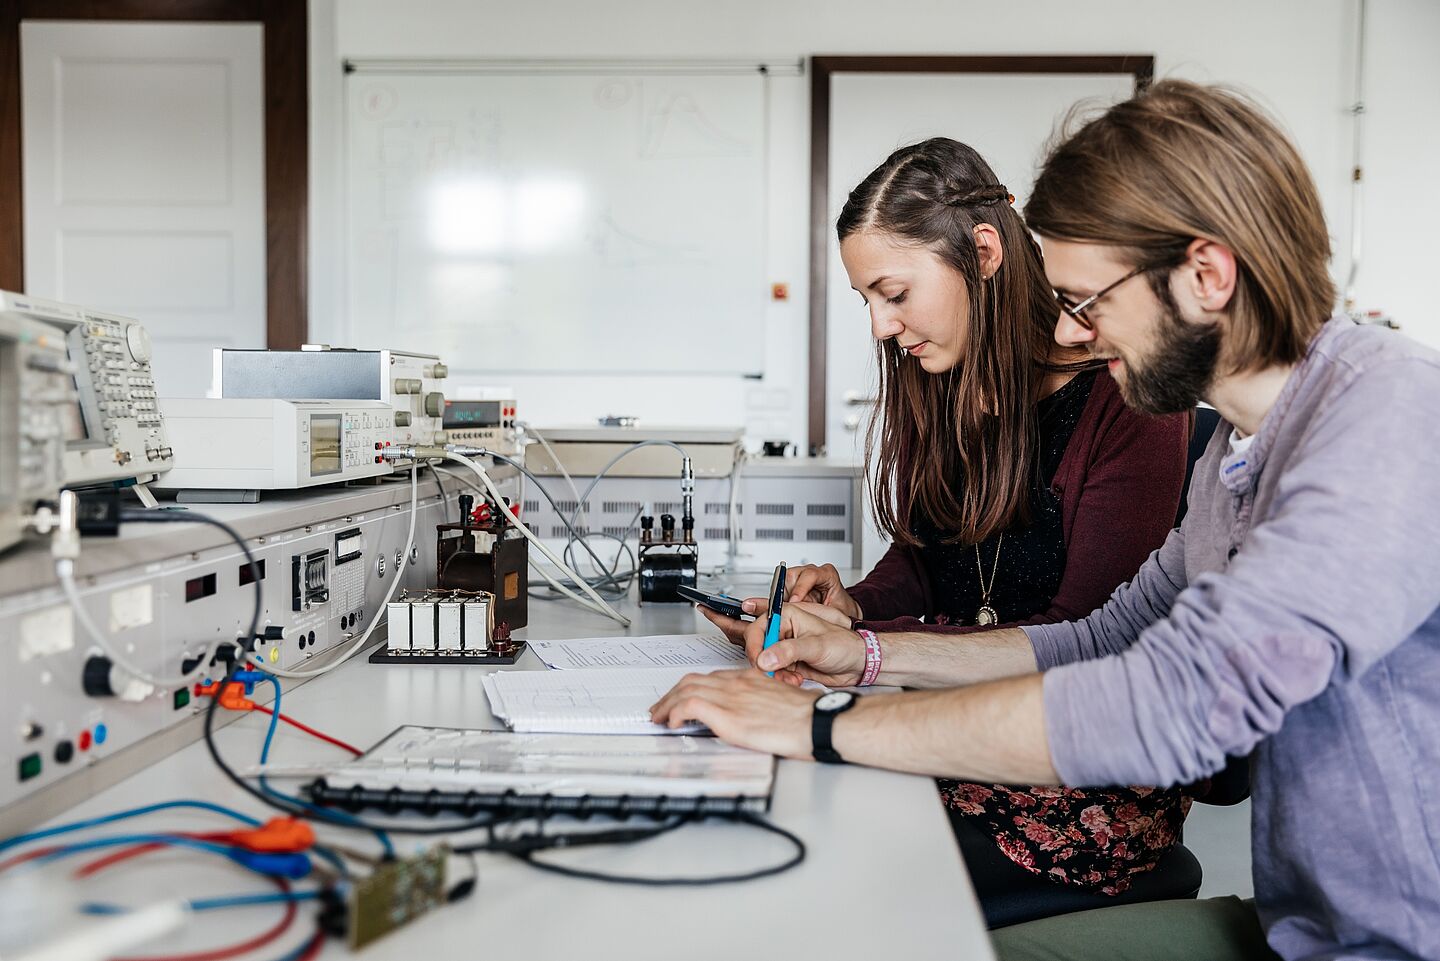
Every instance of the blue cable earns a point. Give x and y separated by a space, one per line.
323 813
214 904
19 839
291 865
301 949
259 861
119 839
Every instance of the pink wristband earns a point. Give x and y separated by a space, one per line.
872 657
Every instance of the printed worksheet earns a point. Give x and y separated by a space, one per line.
661 650
594 701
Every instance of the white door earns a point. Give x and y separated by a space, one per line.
1006 117
145 182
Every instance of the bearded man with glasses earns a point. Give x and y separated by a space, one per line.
1293 618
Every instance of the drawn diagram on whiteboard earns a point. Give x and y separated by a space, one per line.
611 94
431 144
377 101
676 127
624 249
468 195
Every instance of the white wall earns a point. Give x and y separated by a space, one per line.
1295 55
1401 159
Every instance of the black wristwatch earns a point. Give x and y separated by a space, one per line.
827 707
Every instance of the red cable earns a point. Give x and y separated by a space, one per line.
242 947
313 948
41 852
29 856
124 854
213 954
312 732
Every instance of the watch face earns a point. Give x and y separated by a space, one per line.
833 701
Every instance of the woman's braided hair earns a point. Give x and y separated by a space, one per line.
959 195
958 448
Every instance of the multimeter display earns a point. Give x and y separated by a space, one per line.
472 413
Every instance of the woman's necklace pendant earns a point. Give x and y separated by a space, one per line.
987 616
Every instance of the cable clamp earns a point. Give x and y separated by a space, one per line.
281 835
233 695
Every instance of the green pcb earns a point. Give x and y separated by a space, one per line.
395 894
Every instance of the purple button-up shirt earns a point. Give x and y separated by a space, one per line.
1293 617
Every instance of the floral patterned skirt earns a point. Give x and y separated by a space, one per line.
1095 839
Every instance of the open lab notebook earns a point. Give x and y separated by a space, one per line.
444 769
586 700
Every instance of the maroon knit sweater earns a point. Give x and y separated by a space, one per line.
1119 486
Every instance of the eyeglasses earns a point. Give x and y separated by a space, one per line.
1077 311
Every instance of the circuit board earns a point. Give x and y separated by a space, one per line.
396 893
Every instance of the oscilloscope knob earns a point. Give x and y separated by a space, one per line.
434 404
138 340
95 676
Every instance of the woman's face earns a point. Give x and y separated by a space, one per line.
914 297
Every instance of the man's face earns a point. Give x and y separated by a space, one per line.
1162 362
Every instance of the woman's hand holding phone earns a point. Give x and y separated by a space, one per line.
819 586
734 628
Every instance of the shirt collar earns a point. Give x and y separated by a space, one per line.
1241 466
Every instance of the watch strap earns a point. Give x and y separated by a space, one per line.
822 726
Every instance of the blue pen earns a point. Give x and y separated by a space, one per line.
777 598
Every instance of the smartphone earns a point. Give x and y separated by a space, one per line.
719 603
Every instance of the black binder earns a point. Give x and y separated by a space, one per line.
450 771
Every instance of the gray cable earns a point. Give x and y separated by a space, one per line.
444 498
575 535
612 578
616 459
585 499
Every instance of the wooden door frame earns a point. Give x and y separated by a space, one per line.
822 68
287 133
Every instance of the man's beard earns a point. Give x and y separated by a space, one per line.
1178 372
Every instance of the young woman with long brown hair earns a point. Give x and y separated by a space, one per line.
1015 485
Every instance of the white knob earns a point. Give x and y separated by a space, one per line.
138 340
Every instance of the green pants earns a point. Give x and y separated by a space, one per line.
1216 929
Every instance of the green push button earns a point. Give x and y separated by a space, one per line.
29 766
182 697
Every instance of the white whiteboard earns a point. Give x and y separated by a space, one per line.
555 221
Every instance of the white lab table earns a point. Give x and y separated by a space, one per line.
883 877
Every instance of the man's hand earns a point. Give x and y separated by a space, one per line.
989 732
744 708
816 643
819 585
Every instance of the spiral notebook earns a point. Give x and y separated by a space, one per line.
586 701
444 767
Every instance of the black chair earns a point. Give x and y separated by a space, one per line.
1177 874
